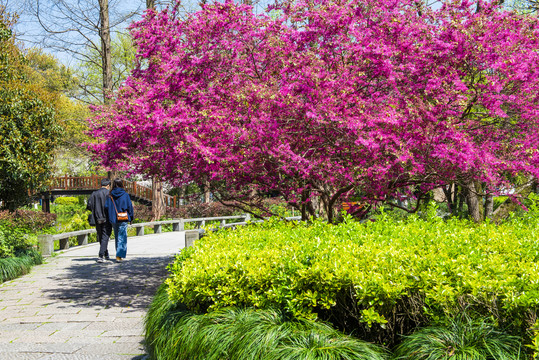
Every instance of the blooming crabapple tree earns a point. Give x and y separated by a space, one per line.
318 100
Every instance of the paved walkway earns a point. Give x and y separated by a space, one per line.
74 308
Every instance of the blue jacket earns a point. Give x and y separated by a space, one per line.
123 203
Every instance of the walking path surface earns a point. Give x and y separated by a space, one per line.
72 307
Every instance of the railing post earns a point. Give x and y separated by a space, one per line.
176 226
46 244
223 223
247 217
201 223
190 237
140 230
82 239
64 244
65 184
157 229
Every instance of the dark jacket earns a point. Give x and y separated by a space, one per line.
96 204
123 203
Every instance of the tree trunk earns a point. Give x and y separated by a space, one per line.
448 192
472 200
112 175
489 203
207 197
158 201
461 198
106 62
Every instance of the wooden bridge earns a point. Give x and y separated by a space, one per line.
85 185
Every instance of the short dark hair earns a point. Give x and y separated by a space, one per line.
105 182
118 183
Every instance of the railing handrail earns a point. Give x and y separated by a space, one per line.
72 234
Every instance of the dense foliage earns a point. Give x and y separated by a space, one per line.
18 230
31 220
28 127
375 279
320 100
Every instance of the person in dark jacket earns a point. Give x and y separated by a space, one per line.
119 201
103 228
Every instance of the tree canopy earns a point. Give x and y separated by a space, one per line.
28 128
329 99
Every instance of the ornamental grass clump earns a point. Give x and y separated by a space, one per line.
173 332
462 338
19 264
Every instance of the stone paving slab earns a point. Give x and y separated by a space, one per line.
73 308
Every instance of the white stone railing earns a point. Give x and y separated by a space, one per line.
46 241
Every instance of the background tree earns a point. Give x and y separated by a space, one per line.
89 73
74 27
70 156
28 127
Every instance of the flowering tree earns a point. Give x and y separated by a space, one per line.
323 99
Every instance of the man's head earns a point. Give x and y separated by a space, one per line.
105 183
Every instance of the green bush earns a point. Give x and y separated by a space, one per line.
375 279
13 240
72 215
19 264
66 201
173 332
30 220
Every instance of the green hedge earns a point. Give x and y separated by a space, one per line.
375 279
19 264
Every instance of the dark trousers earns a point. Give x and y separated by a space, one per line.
103 235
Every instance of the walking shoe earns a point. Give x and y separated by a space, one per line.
100 260
118 258
107 258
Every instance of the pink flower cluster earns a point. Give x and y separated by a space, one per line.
329 98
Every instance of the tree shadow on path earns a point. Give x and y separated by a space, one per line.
131 283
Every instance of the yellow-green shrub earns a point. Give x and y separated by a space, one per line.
66 200
377 279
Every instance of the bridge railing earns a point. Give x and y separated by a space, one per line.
76 182
46 241
93 182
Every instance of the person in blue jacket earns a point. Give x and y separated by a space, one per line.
122 203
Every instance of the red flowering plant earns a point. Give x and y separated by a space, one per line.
319 100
